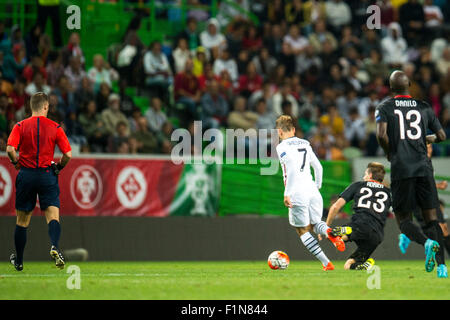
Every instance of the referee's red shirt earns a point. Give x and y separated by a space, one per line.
35 138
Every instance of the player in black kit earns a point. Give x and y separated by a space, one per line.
372 201
402 125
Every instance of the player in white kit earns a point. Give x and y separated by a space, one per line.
301 194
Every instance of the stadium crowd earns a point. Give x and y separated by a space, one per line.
314 60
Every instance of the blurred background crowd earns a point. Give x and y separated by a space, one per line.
314 60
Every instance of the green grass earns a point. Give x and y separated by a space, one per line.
220 280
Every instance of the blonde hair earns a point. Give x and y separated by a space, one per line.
285 123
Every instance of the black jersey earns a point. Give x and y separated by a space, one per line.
372 201
408 121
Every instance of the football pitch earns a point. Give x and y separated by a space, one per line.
246 280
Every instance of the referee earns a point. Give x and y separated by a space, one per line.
36 137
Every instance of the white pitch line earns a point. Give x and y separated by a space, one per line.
24 275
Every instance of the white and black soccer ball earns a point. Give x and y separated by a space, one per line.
278 260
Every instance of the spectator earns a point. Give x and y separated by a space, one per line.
145 140
187 89
199 61
252 41
37 85
250 81
165 138
412 20
266 120
158 75
394 46
264 63
36 65
240 118
190 34
212 39
32 41
333 121
322 36
281 95
119 139
275 42
18 100
371 143
181 54
112 116
226 62
338 14
85 93
295 42
66 97
433 17
101 72
208 75
443 64
74 131
294 13
74 72
370 42
102 97
307 60
94 127
355 131
73 49
155 116
214 107
375 66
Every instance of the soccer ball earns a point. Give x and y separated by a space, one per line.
278 260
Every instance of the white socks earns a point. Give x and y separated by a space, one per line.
321 228
313 246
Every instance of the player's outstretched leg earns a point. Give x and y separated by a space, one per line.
403 242
323 229
313 246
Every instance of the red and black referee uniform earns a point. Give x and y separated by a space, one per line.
35 139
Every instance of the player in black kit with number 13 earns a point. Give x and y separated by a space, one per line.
402 125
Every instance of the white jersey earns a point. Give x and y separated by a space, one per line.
296 158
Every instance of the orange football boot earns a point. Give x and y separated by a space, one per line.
337 241
328 267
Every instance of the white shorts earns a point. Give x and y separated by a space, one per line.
306 212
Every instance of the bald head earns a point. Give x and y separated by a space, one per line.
399 82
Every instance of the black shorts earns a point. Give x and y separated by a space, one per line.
407 194
366 238
42 182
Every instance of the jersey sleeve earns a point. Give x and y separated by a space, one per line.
14 137
61 141
380 114
317 167
281 154
350 192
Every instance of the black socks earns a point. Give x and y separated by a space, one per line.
20 239
54 231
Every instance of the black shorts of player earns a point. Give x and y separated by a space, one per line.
366 238
42 182
407 194
418 215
